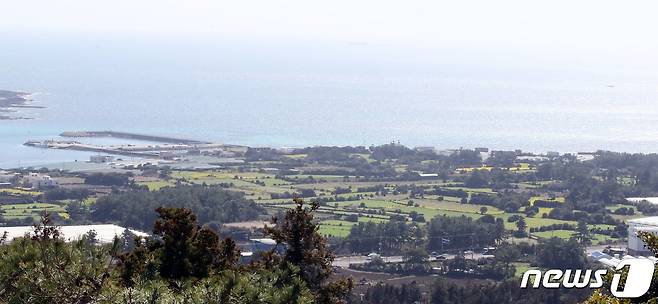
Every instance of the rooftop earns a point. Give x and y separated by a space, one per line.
104 233
264 241
653 200
647 221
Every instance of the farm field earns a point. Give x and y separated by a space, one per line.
565 234
262 187
34 210
533 199
156 185
521 167
347 198
20 191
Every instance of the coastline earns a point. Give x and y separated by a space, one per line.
10 100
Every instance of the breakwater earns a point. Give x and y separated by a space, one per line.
127 135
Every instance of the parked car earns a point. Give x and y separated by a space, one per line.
373 255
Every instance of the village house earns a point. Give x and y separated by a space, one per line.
39 181
101 159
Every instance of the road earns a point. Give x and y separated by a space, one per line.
345 261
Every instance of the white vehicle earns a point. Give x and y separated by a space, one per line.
373 255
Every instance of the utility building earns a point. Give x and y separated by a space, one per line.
635 245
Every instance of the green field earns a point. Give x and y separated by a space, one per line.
260 186
340 228
20 191
36 210
521 268
612 208
565 234
521 167
548 199
399 207
156 185
472 190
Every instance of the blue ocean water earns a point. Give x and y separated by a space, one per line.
279 94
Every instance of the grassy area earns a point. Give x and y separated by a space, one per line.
471 169
364 156
19 211
261 186
273 201
334 231
340 228
90 201
324 177
400 207
87 202
548 199
473 190
254 184
222 175
534 185
335 228
544 210
533 222
450 205
296 156
612 208
21 191
565 234
521 268
521 167
156 185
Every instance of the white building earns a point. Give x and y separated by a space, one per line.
652 200
101 159
39 181
425 149
635 244
104 233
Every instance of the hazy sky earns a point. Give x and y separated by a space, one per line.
597 29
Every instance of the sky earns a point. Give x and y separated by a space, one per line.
591 31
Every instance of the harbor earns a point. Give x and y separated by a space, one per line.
126 135
158 147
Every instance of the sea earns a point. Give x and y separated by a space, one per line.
305 93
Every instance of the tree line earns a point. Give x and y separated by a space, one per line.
136 209
181 262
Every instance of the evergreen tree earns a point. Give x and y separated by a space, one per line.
583 235
521 227
307 249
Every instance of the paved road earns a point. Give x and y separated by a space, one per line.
591 249
345 261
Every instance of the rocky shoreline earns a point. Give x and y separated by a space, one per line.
10 100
